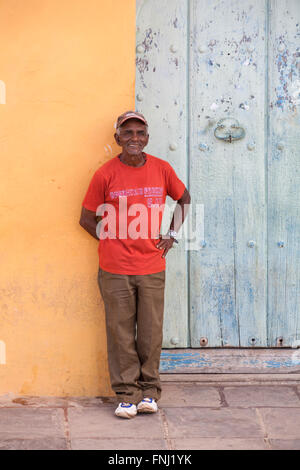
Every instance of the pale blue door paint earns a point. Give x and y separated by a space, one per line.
200 61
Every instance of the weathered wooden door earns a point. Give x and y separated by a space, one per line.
199 62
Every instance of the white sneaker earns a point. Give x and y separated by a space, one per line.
126 410
147 405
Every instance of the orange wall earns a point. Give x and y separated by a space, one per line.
68 67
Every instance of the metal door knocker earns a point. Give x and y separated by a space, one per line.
228 129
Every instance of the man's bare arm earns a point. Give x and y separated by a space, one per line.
181 210
89 221
180 213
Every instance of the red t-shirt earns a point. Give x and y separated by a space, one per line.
129 235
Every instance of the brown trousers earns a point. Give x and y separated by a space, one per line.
134 306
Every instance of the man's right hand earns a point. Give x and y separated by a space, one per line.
89 221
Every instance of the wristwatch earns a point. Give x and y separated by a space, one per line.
173 235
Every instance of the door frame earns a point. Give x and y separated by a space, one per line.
231 360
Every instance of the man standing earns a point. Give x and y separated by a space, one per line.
132 263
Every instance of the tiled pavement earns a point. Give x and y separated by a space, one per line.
192 415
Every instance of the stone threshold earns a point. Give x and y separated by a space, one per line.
234 379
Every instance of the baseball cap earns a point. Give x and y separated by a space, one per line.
130 115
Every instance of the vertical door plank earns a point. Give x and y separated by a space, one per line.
161 84
284 173
227 70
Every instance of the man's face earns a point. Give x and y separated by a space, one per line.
133 137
